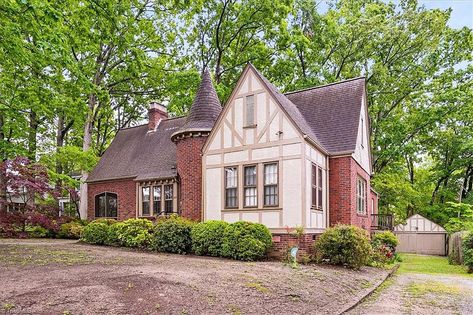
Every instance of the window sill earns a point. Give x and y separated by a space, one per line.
250 126
317 209
252 209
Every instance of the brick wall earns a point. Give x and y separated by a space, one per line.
189 168
126 194
283 242
343 174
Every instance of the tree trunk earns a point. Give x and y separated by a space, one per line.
3 190
32 135
87 141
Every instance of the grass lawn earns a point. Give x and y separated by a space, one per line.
430 265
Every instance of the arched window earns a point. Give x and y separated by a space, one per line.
106 205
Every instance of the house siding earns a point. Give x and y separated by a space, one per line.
343 175
126 194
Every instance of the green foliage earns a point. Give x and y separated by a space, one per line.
105 221
345 245
207 237
71 230
172 235
387 238
246 241
467 246
460 217
131 233
95 233
36 231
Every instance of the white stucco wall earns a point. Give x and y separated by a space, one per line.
362 152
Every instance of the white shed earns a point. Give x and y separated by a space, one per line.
421 236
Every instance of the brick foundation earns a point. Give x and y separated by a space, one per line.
283 242
126 194
189 168
343 174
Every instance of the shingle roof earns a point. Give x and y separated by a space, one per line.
290 108
139 154
205 108
332 112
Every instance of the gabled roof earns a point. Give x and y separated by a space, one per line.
205 108
139 154
332 112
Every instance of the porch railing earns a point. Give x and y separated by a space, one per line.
381 221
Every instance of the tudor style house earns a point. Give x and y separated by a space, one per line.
299 159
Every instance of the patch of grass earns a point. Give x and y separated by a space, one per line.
8 307
418 289
235 310
258 287
41 256
365 284
429 265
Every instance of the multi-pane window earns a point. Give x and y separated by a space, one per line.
145 200
157 199
361 195
106 205
317 187
250 191
231 187
168 198
271 184
250 111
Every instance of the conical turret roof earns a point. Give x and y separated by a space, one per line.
205 108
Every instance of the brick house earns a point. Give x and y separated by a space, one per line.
300 159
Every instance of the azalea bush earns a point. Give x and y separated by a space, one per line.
345 245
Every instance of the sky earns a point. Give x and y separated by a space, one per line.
462 10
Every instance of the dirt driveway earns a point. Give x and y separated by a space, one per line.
60 277
422 285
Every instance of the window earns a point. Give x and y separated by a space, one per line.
362 133
317 187
231 187
271 184
361 195
145 201
106 205
249 185
157 200
250 111
168 198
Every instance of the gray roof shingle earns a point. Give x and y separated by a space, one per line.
332 112
137 153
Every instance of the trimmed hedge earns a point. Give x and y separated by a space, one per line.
246 241
173 235
207 237
131 233
71 230
96 233
345 245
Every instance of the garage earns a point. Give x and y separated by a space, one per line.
421 236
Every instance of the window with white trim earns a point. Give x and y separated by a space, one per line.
271 184
231 187
250 191
361 195
145 200
156 200
317 187
168 199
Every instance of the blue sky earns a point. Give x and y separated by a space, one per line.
462 10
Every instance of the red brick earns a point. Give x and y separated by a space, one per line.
126 194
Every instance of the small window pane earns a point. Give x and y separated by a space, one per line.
271 195
250 110
250 197
145 199
270 174
250 176
231 197
157 200
231 177
168 198
112 205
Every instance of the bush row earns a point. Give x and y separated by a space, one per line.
467 248
350 246
38 225
240 240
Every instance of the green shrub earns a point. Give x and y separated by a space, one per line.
345 245
246 241
386 238
113 236
72 230
131 233
105 221
207 237
467 247
95 233
36 231
173 235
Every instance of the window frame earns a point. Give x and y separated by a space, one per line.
276 163
143 200
160 201
166 200
317 187
226 188
361 196
255 186
106 211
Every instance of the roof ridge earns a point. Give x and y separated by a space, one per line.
145 124
324 85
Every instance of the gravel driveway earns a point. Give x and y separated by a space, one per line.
60 277
420 293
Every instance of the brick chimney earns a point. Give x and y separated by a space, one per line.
156 113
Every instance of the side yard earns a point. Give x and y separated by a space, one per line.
66 277
422 285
